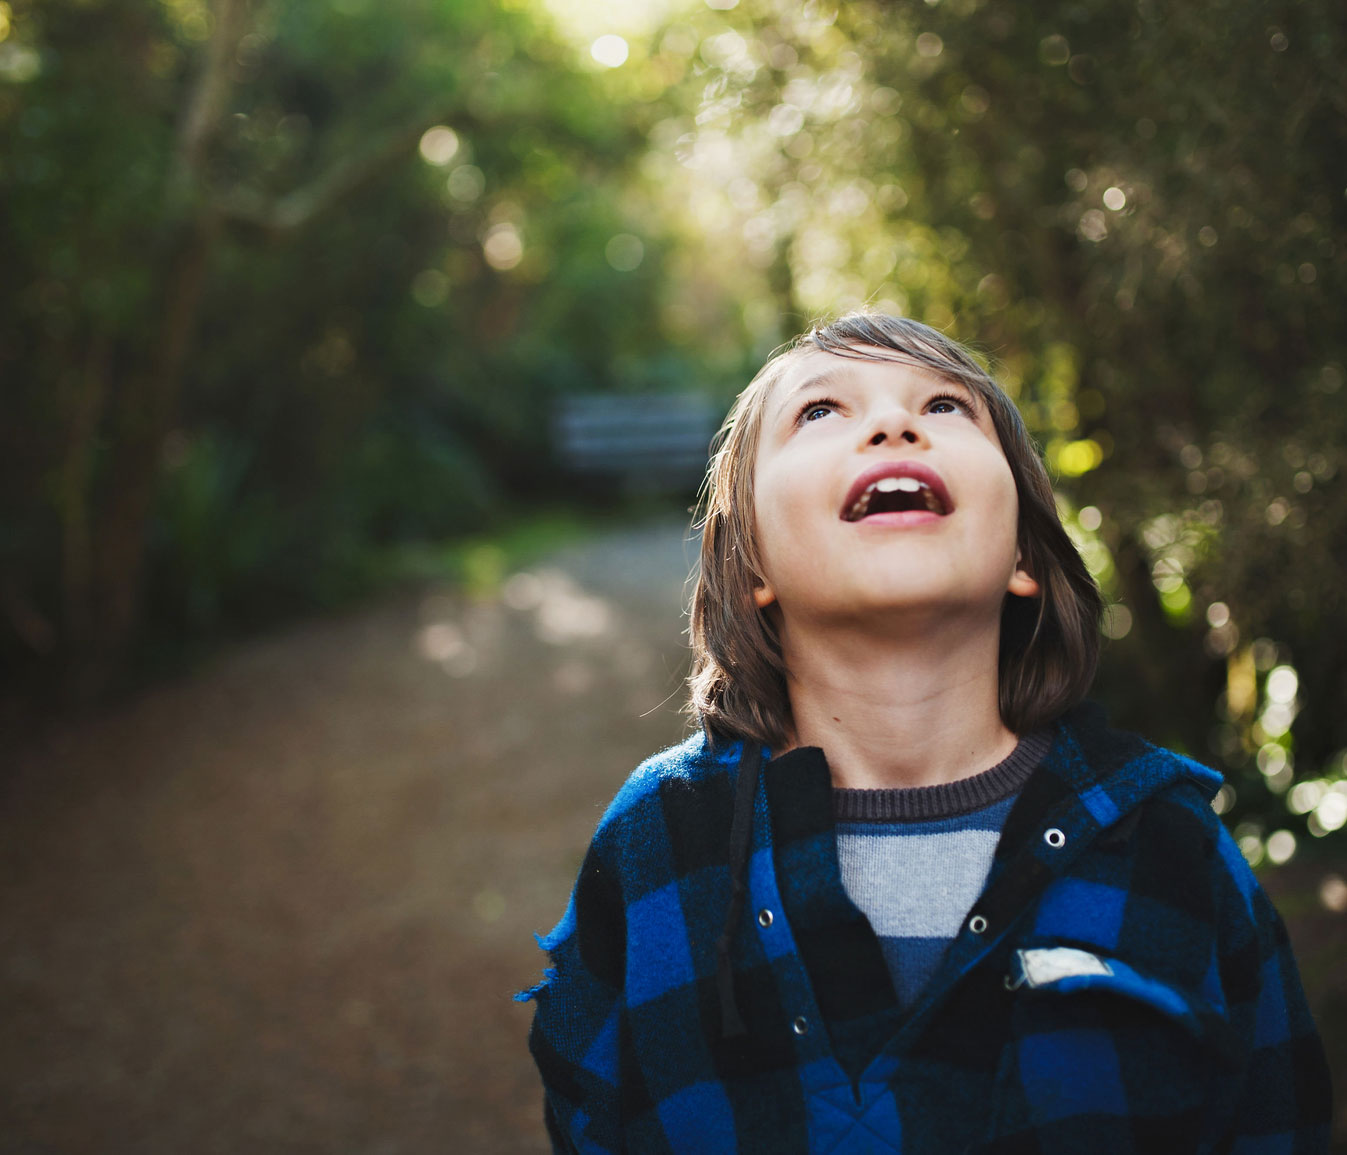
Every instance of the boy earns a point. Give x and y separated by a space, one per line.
902 893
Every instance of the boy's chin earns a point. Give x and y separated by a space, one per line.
881 613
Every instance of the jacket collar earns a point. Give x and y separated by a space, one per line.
1090 785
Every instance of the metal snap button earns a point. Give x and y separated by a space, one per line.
800 1026
977 924
764 917
1054 838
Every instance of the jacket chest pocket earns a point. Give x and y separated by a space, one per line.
1104 1059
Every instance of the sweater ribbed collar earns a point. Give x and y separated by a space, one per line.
949 799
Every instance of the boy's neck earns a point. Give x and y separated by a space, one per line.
888 712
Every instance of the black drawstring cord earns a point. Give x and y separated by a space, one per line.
741 835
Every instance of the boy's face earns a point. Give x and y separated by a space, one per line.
881 495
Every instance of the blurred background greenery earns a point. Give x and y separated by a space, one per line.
291 295
290 289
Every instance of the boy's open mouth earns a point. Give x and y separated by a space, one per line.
900 487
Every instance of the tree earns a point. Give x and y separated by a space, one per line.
243 301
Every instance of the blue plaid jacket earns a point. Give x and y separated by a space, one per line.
1123 984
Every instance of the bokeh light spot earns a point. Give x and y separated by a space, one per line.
1093 226
439 145
975 100
430 288
1282 684
522 591
929 45
466 183
1271 759
1306 796
1054 50
1333 893
1178 601
1281 845
1331 813
624 252
785 120
610 50
1078 457
19 63
502 246
1117 621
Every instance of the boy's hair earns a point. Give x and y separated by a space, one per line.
1049 643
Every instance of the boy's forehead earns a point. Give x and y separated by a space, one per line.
812 368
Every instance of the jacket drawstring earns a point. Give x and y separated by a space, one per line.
741 836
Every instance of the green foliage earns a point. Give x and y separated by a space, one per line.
1139 213
248 324
251 337
213 533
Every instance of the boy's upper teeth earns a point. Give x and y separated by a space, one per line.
898 485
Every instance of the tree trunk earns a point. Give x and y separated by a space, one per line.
147 401
86 410
147 407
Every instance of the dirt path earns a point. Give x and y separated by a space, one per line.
282 906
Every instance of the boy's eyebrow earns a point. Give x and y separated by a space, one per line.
824 379
835 377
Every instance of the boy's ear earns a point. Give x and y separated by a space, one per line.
763 595
1022 583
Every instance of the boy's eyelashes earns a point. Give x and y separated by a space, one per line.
939 403
954 400
812 410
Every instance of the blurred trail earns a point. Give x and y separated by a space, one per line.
282 906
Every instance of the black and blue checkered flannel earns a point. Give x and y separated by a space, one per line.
1122 985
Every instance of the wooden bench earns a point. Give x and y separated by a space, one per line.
650 441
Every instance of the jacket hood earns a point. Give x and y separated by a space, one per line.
1113 771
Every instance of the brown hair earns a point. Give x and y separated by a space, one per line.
1049 643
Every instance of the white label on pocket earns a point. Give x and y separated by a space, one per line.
1051 964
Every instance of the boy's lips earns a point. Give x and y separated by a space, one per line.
897 487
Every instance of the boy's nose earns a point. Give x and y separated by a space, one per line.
895 426
908 435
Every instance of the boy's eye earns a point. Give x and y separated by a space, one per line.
816 409
947 403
